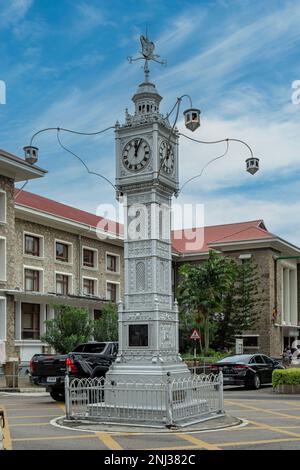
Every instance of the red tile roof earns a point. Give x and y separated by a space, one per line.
199 240
187 241
43 204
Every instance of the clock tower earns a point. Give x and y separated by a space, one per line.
146 180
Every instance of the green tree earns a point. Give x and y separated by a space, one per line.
71 326
106 327
201 290
241 304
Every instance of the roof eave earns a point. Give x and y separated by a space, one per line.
38 216
276 243
18 170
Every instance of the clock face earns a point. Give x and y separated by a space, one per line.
167 157
136 155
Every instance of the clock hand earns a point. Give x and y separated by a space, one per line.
137 148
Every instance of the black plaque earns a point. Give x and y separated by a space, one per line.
138 336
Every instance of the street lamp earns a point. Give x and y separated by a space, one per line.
192 119
252 165
31 154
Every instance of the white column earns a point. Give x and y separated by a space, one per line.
51 312
18 320
283 316
293 297
43 318
286 295
3 318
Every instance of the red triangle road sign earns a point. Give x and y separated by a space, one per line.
195 335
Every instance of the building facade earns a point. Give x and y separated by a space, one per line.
277 263
51 254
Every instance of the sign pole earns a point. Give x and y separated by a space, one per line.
195 336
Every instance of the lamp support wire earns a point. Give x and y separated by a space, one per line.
81 160
205 166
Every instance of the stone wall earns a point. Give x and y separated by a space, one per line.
7 231
50 265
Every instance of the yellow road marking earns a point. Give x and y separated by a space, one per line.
109 441
275 429
6 434
55 438
277 409
62 407
198 442
174 448
35 416
264 441
261 410
29 424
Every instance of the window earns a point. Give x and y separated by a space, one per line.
268 360
88 286
89 258
32 280
62 284
2 259
111 263
2 207
32 245
97 314
62 252
250 341
112 292
257 360
30 321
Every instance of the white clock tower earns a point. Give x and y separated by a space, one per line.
146 180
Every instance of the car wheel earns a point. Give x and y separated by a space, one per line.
57 396
256 382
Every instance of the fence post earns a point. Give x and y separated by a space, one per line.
221 393
67 396
169 401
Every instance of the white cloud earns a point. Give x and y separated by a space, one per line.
14 11
90 16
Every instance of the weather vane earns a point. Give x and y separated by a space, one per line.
147 55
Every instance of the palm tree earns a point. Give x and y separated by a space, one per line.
202 287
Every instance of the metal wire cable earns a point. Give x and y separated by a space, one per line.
21 189
205 166
218 141
70 131
82 162
178 102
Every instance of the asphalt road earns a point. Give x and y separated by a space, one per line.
272 422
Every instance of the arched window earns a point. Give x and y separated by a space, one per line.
140 276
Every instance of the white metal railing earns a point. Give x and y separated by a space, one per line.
171 402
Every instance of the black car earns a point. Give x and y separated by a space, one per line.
250 370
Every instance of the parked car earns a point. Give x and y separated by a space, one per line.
91 359
250 370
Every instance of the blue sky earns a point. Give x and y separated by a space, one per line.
64 64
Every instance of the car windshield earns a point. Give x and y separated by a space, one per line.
90 348
238 358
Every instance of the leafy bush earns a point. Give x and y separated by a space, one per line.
70 327
106 327
286 377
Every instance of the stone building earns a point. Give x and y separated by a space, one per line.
277 262
51 253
